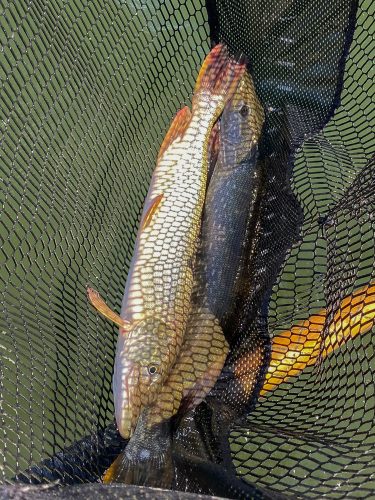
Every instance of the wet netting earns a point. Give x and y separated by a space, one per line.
88 89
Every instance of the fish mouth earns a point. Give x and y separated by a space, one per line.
127 398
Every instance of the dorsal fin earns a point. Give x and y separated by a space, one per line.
176 130
151 209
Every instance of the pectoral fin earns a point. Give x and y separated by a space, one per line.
105 310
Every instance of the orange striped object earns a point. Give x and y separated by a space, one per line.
295 349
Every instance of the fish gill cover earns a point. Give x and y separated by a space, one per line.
88 90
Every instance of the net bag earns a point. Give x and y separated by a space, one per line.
88 91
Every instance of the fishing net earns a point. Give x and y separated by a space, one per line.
88 90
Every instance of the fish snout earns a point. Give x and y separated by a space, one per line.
127 398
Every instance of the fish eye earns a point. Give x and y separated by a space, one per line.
244 111
152 369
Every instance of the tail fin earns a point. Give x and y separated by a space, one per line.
157 472
219 75
176 130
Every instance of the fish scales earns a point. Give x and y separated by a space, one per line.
228 202
161 272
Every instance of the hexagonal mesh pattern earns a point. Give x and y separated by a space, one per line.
88 91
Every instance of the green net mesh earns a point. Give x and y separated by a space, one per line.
88 90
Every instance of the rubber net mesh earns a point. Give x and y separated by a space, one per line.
88 89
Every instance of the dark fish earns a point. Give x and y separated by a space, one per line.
232 191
